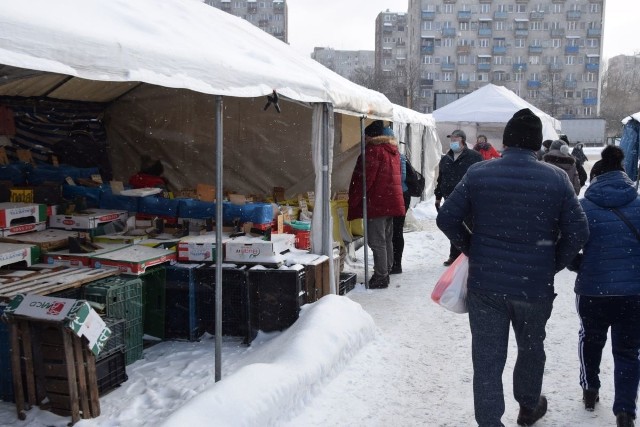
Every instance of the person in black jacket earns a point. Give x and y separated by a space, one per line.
452 168
527 226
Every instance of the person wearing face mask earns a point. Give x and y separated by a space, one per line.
453 165
485 149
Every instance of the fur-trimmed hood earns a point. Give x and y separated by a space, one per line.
382 139
558 157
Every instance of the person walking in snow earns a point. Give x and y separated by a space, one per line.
485 149
384 198
398 221
558 155
521 237
608 286
452 168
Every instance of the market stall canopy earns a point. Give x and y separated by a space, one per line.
174 43
491 104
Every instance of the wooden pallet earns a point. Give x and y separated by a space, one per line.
44 280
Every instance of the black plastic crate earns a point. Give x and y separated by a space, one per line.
153 300
181 320
111 372
116 341
6 375
347 283
71 293
235 304
275 298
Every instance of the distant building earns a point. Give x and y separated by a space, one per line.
268 15
344 62
391 55
548 52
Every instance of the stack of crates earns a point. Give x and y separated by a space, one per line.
121 297
182 318
6 376
153 300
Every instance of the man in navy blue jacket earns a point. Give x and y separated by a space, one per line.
527 226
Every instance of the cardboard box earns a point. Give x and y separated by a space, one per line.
24 228
77 315
12 214
134 259
88 220
11 253
119 239
254 249
200 248
46 240
64 257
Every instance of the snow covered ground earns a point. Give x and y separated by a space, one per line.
373 358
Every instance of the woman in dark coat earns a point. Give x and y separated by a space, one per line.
608 286
559 156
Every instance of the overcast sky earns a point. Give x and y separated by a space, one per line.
350 24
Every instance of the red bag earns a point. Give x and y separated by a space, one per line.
451 289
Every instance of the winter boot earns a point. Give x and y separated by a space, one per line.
590 397
378 282
529 416
396 269
624 419
448 262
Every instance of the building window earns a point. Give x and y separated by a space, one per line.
498 60
572 25
446 77
519 42
588 111
594 8
534 93
590 77
592 43
427 59
534 60
485 8
557 8
571 60
483 77
568 94
499 25
483 42
447 8
463 26
521 8
535 25
463 59
448 42
556 43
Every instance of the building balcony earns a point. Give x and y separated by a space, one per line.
399 43
557 32
533 84
463 84
571 50
519 68
594 32
484 32
484 66
499 50
252 8
573 15
428 50
589 101
428 16
556 67
570 84
263 23
519 32
535 50
536 16
592 67
448 32
500 16
464 15
448 66
426 82
278 8
226 6
464 49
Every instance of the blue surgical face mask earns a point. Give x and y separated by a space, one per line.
455 146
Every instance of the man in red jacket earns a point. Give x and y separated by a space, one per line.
384 198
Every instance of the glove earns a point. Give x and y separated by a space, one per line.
437 204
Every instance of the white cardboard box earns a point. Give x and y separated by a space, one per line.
199 248
87 221
254 249
27 212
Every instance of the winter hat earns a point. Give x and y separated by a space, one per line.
374 129
564 138
388 131
524 130
546 143
559 145
612 157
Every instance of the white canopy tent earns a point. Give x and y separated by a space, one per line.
487 111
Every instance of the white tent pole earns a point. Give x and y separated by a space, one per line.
327 240
364 203
218 290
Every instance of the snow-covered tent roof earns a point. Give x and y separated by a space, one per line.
635 116
492 104
173 43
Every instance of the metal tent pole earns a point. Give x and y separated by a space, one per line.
218 290
364 202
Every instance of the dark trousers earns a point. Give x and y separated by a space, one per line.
453 251
622 315
489 318
379 238
398 235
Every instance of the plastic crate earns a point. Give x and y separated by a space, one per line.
111 372
235 304
347 283
121 297
6 375
116 339
181 311
275 298
153 300
71 293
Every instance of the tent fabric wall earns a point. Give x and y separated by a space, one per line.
487 110
630 144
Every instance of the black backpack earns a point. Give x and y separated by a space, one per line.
414 181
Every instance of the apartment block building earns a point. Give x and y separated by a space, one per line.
391 55
344 62
268 15
547 51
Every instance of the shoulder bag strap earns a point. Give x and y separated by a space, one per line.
626 221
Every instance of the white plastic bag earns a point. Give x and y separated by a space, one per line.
451 290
